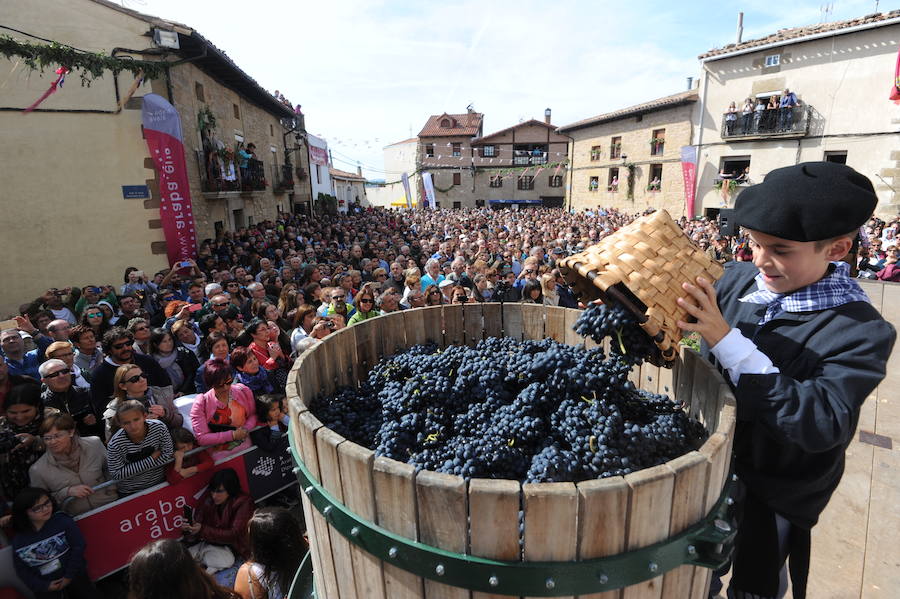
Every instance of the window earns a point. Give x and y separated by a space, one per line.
615 148
839 157
479 203
237 114
445 123
612 183
526 182
487 151
198 91
773 60
526 154
496 181
594 183
318 180
271 130
734 168
555 181
457 149
655 183
596 152
657 142
457 205
457 178
429 150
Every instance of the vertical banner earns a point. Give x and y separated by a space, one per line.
162 130
689 172
429 189
405 179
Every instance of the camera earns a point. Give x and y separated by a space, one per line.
330 324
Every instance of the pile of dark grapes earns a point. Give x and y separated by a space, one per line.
534 411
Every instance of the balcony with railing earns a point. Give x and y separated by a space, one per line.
766 124
219 174
284 177
529 157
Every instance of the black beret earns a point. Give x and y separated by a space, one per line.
811 201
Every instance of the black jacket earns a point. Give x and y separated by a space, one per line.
794 426
77 403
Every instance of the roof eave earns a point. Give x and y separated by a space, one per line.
704 58
600 121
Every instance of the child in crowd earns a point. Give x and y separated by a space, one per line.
271 408
186 466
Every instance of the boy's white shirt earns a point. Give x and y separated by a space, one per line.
739 355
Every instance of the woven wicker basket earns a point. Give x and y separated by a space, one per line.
642 266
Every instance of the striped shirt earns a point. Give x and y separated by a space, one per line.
132 465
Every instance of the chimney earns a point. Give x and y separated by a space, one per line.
547 116
690 83
359 170
740 28
469 112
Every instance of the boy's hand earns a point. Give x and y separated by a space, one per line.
700 302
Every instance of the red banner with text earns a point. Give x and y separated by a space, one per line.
162 130
689 171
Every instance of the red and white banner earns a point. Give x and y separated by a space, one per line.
318 155
689 172
162 130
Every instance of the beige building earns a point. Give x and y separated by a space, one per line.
521 165
349 188
630 159
67 219
840 72
399 158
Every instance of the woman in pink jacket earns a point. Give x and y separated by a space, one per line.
223 417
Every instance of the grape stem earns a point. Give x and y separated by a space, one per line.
621 344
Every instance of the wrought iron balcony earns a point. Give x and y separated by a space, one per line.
769 123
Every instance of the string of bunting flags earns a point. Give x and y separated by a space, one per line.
502 171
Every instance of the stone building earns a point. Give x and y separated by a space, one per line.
445 150
841 73
630 159
521 165
80 197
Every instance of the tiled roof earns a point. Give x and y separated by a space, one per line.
338 174
467 124
678 99
488 137
797 33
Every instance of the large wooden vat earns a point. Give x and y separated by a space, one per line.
668 508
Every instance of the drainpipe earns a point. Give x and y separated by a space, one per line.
699 144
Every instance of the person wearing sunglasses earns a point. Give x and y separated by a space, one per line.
60 393
223 417
96 319
365 307
119 350
130 383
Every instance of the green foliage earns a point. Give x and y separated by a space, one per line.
692 340
89 65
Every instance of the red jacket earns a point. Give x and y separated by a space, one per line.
228 526
890 272
202 460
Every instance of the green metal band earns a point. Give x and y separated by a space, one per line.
707 544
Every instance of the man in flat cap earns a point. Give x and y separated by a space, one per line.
802 348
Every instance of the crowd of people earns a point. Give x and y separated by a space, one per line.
106 390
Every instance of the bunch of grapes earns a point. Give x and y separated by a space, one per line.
627 338
534 411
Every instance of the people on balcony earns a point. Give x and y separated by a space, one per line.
786 114
730 119
747 116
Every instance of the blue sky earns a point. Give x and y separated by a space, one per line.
369 73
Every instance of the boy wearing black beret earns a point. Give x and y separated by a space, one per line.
803 348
